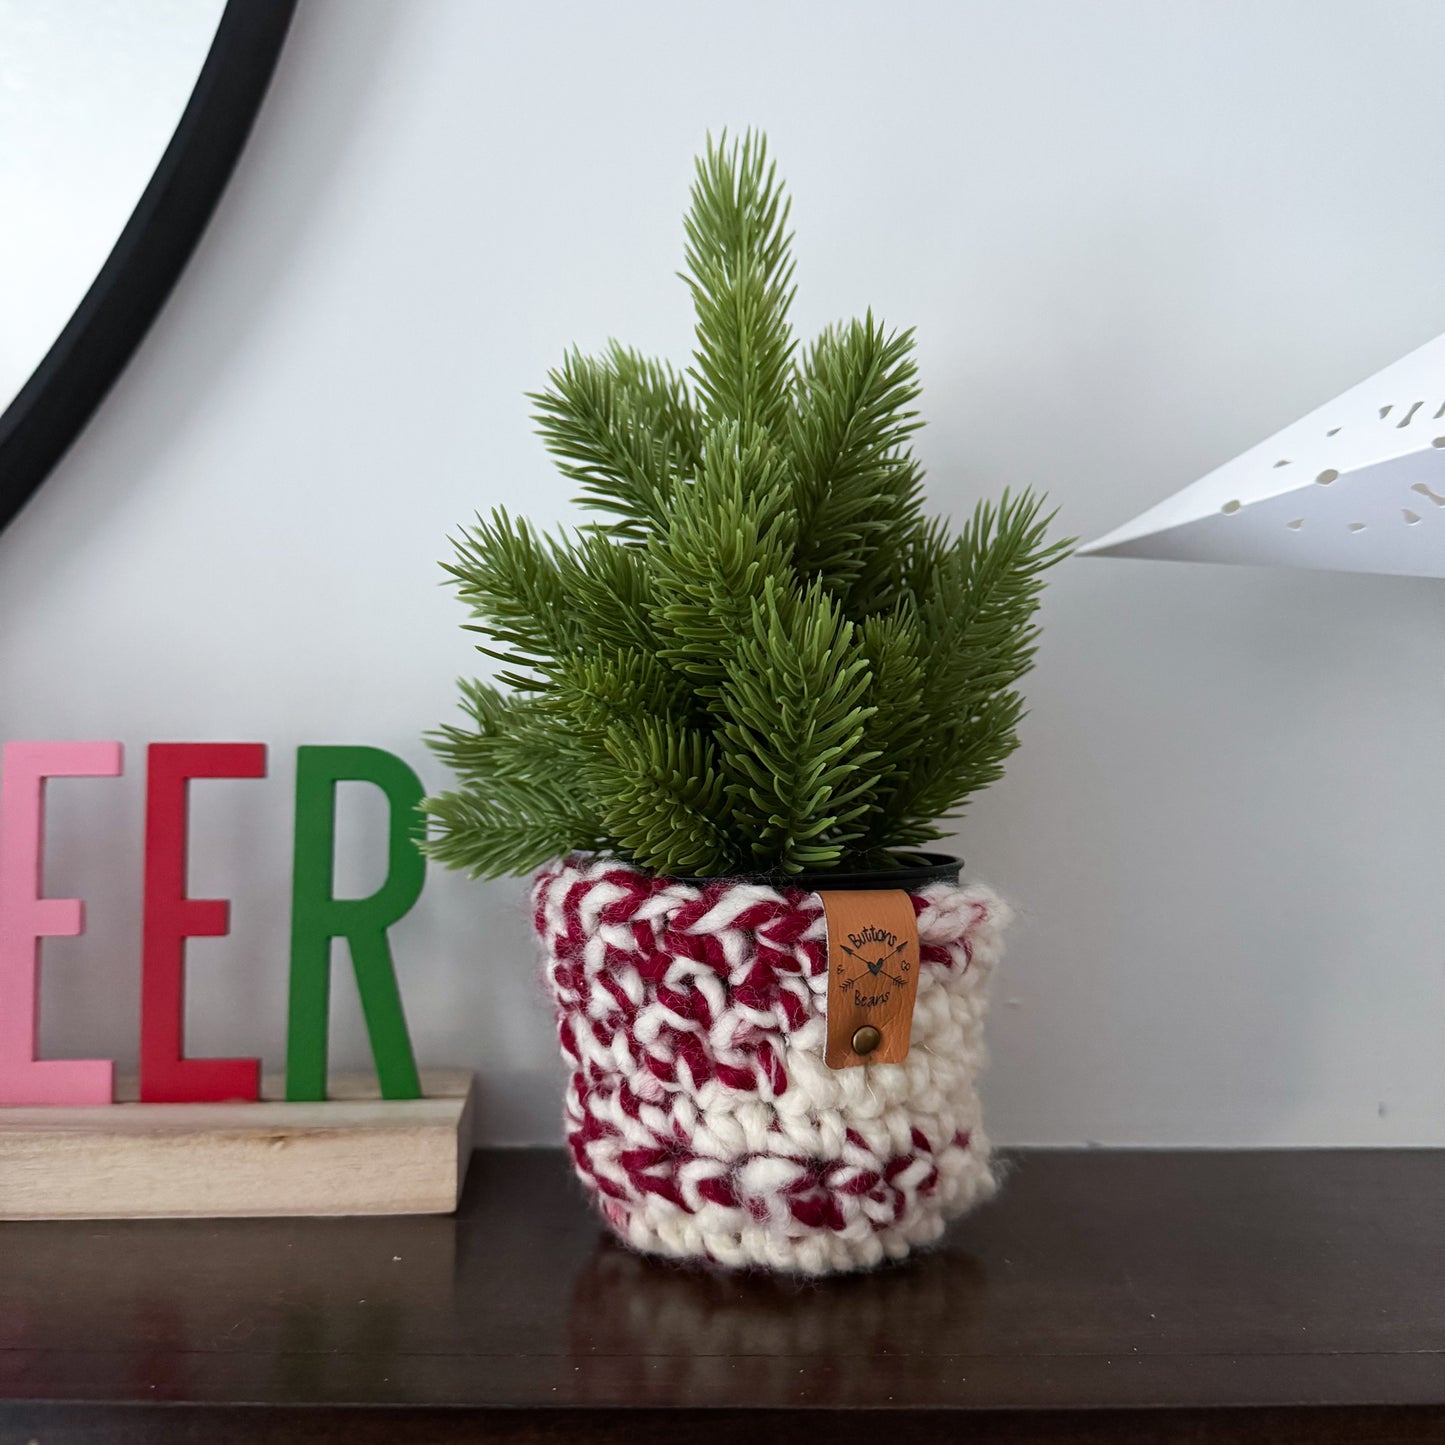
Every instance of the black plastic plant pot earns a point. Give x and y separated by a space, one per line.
915 870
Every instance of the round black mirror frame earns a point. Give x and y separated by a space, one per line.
72 379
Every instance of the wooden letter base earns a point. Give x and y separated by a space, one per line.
354 1154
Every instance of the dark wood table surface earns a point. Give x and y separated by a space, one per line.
1104 1296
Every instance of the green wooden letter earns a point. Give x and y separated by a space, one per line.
317 917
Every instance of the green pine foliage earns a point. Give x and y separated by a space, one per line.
763 657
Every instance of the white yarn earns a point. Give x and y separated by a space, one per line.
715 1167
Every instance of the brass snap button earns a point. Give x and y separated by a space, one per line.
866 1039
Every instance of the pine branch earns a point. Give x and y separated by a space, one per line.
498 832
793 724
610 591
898 729
740 272
858 491
623 427
508 575
518 805
665 797
592 693
729 534
976 598
969 754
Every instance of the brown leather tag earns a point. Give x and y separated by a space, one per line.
872 976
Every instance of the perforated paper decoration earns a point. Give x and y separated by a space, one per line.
1358 485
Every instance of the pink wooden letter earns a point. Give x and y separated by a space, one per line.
26 917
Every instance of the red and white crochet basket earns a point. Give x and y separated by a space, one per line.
700 1114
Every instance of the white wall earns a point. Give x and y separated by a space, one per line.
1134 237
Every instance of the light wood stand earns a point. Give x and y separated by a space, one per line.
354 1154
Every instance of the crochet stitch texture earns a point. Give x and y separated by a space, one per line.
700 1115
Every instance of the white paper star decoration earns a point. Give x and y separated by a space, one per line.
1358 485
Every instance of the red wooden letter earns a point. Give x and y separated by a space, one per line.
166 1075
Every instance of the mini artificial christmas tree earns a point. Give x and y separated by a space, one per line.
762 671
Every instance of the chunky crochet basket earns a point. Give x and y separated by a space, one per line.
700 1114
